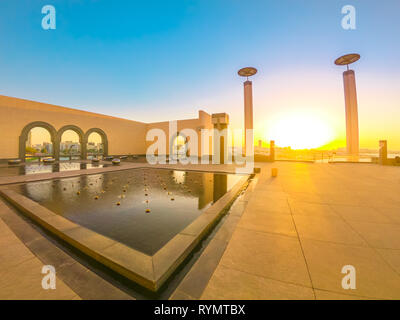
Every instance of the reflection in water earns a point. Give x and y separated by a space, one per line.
33 168
179 176
220 186
142 208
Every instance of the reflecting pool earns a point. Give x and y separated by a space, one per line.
142 208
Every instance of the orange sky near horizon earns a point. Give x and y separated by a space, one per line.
316 101
313 94
306 112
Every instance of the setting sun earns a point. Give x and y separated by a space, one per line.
301 132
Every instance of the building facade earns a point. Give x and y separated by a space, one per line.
119 136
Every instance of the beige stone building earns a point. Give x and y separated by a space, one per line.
119 136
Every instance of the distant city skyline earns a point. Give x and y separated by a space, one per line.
39 135
165 60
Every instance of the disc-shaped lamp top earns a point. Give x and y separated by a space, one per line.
347 59
247 72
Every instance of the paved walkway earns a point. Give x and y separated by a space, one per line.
21 272
298 231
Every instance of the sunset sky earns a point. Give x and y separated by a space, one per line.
162 60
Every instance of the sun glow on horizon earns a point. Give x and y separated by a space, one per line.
300 131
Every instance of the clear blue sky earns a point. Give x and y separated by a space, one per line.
158 60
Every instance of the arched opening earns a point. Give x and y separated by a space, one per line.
70 145
37 140
94 146
38 144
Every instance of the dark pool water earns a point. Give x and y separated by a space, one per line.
33 168
141 208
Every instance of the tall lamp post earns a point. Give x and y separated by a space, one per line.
350 95
248 105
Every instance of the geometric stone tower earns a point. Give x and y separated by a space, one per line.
350 95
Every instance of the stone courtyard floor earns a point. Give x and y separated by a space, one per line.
20 270
299 230
290 239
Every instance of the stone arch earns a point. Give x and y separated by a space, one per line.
24 136
173 138
81 136
103 139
